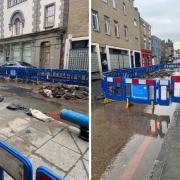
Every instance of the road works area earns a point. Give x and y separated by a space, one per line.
53 143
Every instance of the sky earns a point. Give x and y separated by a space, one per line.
164 17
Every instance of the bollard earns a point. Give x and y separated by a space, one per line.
78 119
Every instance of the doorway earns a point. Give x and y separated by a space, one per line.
45 54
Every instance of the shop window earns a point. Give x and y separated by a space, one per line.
80 44
15 49
27 48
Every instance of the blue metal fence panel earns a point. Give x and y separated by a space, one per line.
43 173
113 88
11 156
163 92
75 77
175 89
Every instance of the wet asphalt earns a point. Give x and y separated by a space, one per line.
125 143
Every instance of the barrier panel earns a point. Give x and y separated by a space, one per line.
163 96
140 91
43 173
75 77
14 164
113 88
175 89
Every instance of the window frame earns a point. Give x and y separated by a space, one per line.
46 18
12 3
105 20
116 28
124 9
114 4
95 14
126 33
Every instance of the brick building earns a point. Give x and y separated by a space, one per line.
115 35
77 37
145 39
169 49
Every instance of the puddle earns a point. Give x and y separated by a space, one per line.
25 97
131 162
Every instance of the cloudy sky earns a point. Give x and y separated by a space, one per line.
164 16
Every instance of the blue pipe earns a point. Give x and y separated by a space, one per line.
75 117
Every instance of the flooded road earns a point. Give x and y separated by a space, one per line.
125 143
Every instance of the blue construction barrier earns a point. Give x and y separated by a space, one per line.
175 80
74 77
140 91
43 173
164 92
14 164
113 88
143 91
140 71
19 167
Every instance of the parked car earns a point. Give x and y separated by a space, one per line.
16 64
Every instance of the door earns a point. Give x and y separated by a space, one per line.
137 59
104 62
45 54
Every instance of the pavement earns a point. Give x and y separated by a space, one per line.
167 164
52 144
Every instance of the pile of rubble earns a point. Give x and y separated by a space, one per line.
157 74
63 91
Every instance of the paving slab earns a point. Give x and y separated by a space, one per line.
65 138
58 155
21 145
18 125
52 128
37 161
83 145
86 155
3 138
78 172
86 163
35 137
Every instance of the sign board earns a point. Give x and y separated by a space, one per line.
139 91
14 164
12 72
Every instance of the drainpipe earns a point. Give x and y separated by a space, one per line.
63 35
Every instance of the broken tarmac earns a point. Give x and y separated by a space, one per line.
55 144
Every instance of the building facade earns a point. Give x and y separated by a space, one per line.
115 35
163 49
177 54
145 41
32 31
169 49
77 36
156 49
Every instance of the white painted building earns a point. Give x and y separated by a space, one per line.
32 31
